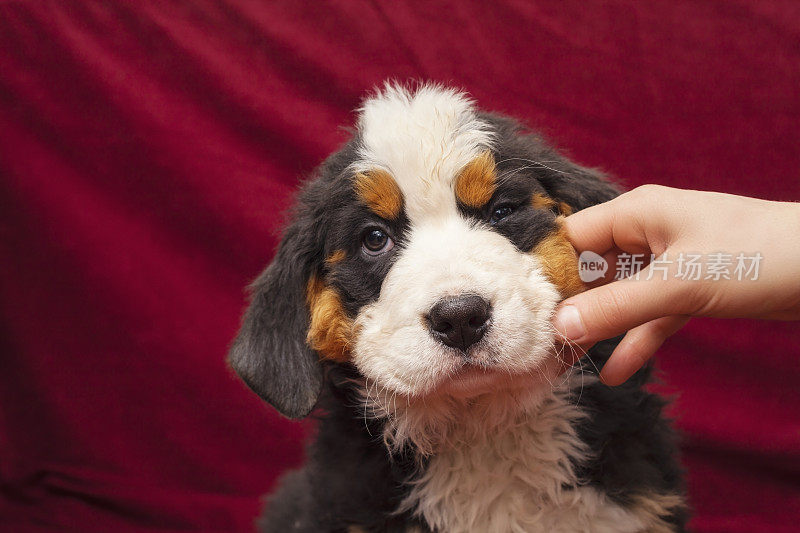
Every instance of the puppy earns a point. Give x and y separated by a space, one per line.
409 301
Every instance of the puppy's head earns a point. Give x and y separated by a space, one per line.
427 253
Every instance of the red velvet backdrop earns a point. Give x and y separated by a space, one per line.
147 150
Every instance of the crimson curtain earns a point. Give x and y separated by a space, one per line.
149 149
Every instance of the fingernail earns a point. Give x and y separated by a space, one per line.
568 322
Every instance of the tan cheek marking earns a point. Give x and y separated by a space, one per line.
476 183
560 262
380 192
330 329
542 201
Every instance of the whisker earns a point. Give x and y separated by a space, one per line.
539 163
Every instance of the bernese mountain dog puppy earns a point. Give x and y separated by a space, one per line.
409 301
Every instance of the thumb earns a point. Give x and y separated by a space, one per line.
613 309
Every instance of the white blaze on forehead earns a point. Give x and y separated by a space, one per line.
423 137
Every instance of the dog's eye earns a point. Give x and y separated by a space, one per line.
376 242
500 213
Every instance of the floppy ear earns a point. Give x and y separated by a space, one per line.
577 186
270 352
565 182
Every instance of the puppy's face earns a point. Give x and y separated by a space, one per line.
427 253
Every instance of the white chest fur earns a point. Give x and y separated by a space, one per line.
507 467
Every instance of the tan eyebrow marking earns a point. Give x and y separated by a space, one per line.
542 201
378 189
336 257
477 181
330 330
560 262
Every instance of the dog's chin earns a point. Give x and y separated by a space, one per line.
473 380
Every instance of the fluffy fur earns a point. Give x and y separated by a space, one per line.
433 200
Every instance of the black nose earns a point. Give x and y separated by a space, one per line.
460 322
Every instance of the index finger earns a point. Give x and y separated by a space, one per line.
629 222
592 228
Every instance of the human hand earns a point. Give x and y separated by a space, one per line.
666 222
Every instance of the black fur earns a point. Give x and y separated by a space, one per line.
635 448
559 177
350 478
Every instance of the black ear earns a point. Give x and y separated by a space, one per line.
565 181
577 186
270 352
